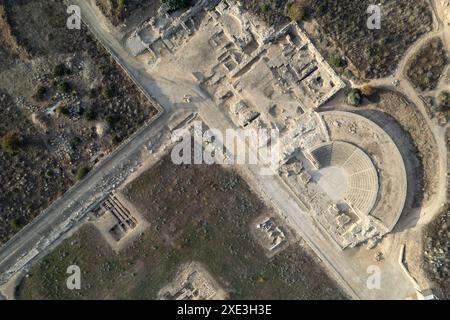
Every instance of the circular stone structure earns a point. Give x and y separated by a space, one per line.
347 174
376 180
333 180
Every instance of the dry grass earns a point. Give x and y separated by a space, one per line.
196 213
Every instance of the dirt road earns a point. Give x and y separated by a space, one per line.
349 267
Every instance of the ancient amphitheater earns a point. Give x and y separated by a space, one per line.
349 171
359 175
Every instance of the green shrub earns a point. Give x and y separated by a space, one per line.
61 70
121 4
16 224
81 173
265 8
62 110
296 10
354 97
10 143
76 141
443 101
322 8
93 93
89 114
40 93
107 93
64 87
337 61
111 120
176 4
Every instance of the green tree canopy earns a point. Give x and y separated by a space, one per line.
354 97
176 4
10 143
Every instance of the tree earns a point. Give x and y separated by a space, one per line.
121 5
16 224
296 10
337 61
89 115
111 120
10 143
76 141
176 4
107 93
443 101
265 7
64 87
62 110
354 97
41 91
81 173
61 70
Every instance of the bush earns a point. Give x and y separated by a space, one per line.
354 97
265 8
337 61
93 92
40 93
10 143
111 120
89 114
64 87
107 93
62 110
296 10
16 224
443 100
61 70
121 5
176 4
81 173
75 142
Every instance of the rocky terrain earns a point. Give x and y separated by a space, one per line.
437 254
375 53
10 48
30 175
272 12
67 102
119 11
426 67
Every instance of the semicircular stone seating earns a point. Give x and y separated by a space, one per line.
362 183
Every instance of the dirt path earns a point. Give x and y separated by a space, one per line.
405 87
412 237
